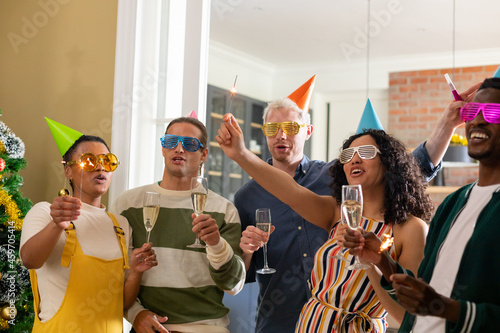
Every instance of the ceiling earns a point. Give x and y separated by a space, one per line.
285 33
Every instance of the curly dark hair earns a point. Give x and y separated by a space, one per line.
404 183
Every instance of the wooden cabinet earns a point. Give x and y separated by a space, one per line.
225 177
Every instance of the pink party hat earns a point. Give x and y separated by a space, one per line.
192 115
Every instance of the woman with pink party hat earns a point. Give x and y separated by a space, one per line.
76 251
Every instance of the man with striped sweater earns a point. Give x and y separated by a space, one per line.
184 293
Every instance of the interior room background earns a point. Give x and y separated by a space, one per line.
57 59
65 59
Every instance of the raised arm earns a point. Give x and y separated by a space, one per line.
440 137
320 210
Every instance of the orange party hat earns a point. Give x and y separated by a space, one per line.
302 96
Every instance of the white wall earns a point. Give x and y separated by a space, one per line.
255 78
346 109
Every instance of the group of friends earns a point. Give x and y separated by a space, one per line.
90 267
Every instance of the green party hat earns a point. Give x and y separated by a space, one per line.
369 119
65 137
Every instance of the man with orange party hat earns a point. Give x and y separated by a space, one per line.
287 126
294 241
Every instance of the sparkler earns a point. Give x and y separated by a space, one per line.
81 180
387 242
64 191
232 91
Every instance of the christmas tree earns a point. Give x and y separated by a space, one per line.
16 301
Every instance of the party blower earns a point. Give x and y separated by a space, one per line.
452 87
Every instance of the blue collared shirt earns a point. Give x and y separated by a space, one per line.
290 249
293 244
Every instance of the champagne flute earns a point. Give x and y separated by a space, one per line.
263 222
352 207
199 191
150 210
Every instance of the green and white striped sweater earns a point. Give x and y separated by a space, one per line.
188 284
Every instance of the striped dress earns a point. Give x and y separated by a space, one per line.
342 300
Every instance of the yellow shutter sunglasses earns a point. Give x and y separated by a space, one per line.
288 127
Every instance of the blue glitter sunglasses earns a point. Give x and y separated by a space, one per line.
169 141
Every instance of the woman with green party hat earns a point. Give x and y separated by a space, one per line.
76 251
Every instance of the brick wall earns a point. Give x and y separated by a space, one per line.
416 101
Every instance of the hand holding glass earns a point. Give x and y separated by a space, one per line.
352 208
150 210
199 192
263 222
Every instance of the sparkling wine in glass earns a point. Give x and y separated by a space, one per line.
199 192
263 222
352 208
150 210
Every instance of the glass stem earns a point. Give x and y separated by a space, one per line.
197 240
339 254
265 256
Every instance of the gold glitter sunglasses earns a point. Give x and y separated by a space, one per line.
89 161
